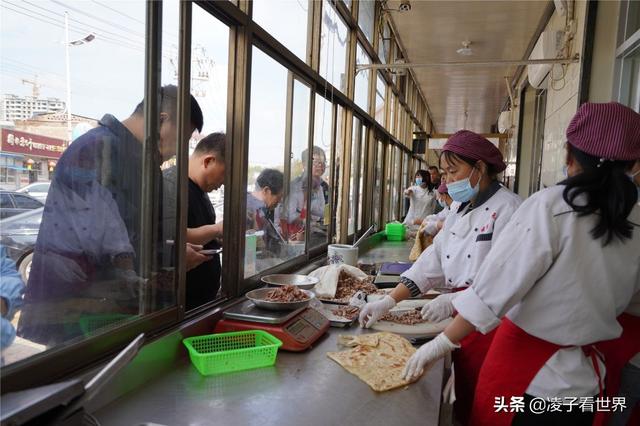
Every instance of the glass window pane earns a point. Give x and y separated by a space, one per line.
208 85
362 80
377 189
366 16
5 202
363 170
86 274
267 152
277 201
337 170
286 20
348 3
392 113
23 202
323 140
296 209
353 176
381 91
333 47
384 44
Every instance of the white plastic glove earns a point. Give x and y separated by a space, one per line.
428 353
439 308
371 312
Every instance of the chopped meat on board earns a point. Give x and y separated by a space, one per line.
348 312
286 293
406 318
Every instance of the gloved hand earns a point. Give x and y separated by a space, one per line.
371 312
428 353
439 308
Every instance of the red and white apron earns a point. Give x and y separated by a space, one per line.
513 360
617 353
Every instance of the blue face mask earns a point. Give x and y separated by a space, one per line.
442 203
565 171
418 181
461 190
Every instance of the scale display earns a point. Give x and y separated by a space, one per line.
297 330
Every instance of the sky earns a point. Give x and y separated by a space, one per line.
107 74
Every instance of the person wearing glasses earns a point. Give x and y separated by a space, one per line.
295 208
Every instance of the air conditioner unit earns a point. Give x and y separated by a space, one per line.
548 46
504 121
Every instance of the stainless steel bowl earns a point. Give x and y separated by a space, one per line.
257 296
304 282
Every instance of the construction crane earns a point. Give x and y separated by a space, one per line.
35 86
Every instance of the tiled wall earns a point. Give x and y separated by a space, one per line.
562 102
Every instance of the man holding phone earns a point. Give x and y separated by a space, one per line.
206 173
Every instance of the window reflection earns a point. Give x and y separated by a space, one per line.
362 80
286 20
323 139
381 89
366 16
377 189
276 219
333 47
353 178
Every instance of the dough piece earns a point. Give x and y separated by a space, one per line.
380 366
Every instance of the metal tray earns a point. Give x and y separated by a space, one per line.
334 320
304 282
257 296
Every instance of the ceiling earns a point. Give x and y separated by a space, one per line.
432 32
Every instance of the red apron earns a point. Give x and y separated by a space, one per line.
617 353
467 361
514 359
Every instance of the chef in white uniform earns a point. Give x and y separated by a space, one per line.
562 271
422 199
471 163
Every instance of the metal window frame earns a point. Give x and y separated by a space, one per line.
63 360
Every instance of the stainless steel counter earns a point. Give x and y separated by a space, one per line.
387 251
301 389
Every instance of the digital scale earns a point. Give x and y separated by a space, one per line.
297 329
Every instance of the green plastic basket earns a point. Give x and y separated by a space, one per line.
236 351
395 231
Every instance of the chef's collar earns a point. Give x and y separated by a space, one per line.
481 198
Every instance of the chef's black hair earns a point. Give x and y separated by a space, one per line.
452 157
609 193
426 178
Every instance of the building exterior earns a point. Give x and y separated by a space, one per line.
30 148
13 107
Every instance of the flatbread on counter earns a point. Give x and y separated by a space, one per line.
379 364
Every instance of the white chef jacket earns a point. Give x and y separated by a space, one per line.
431 221
422 203
634 309
464 241
553 280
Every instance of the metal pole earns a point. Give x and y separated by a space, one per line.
66 50
496 63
